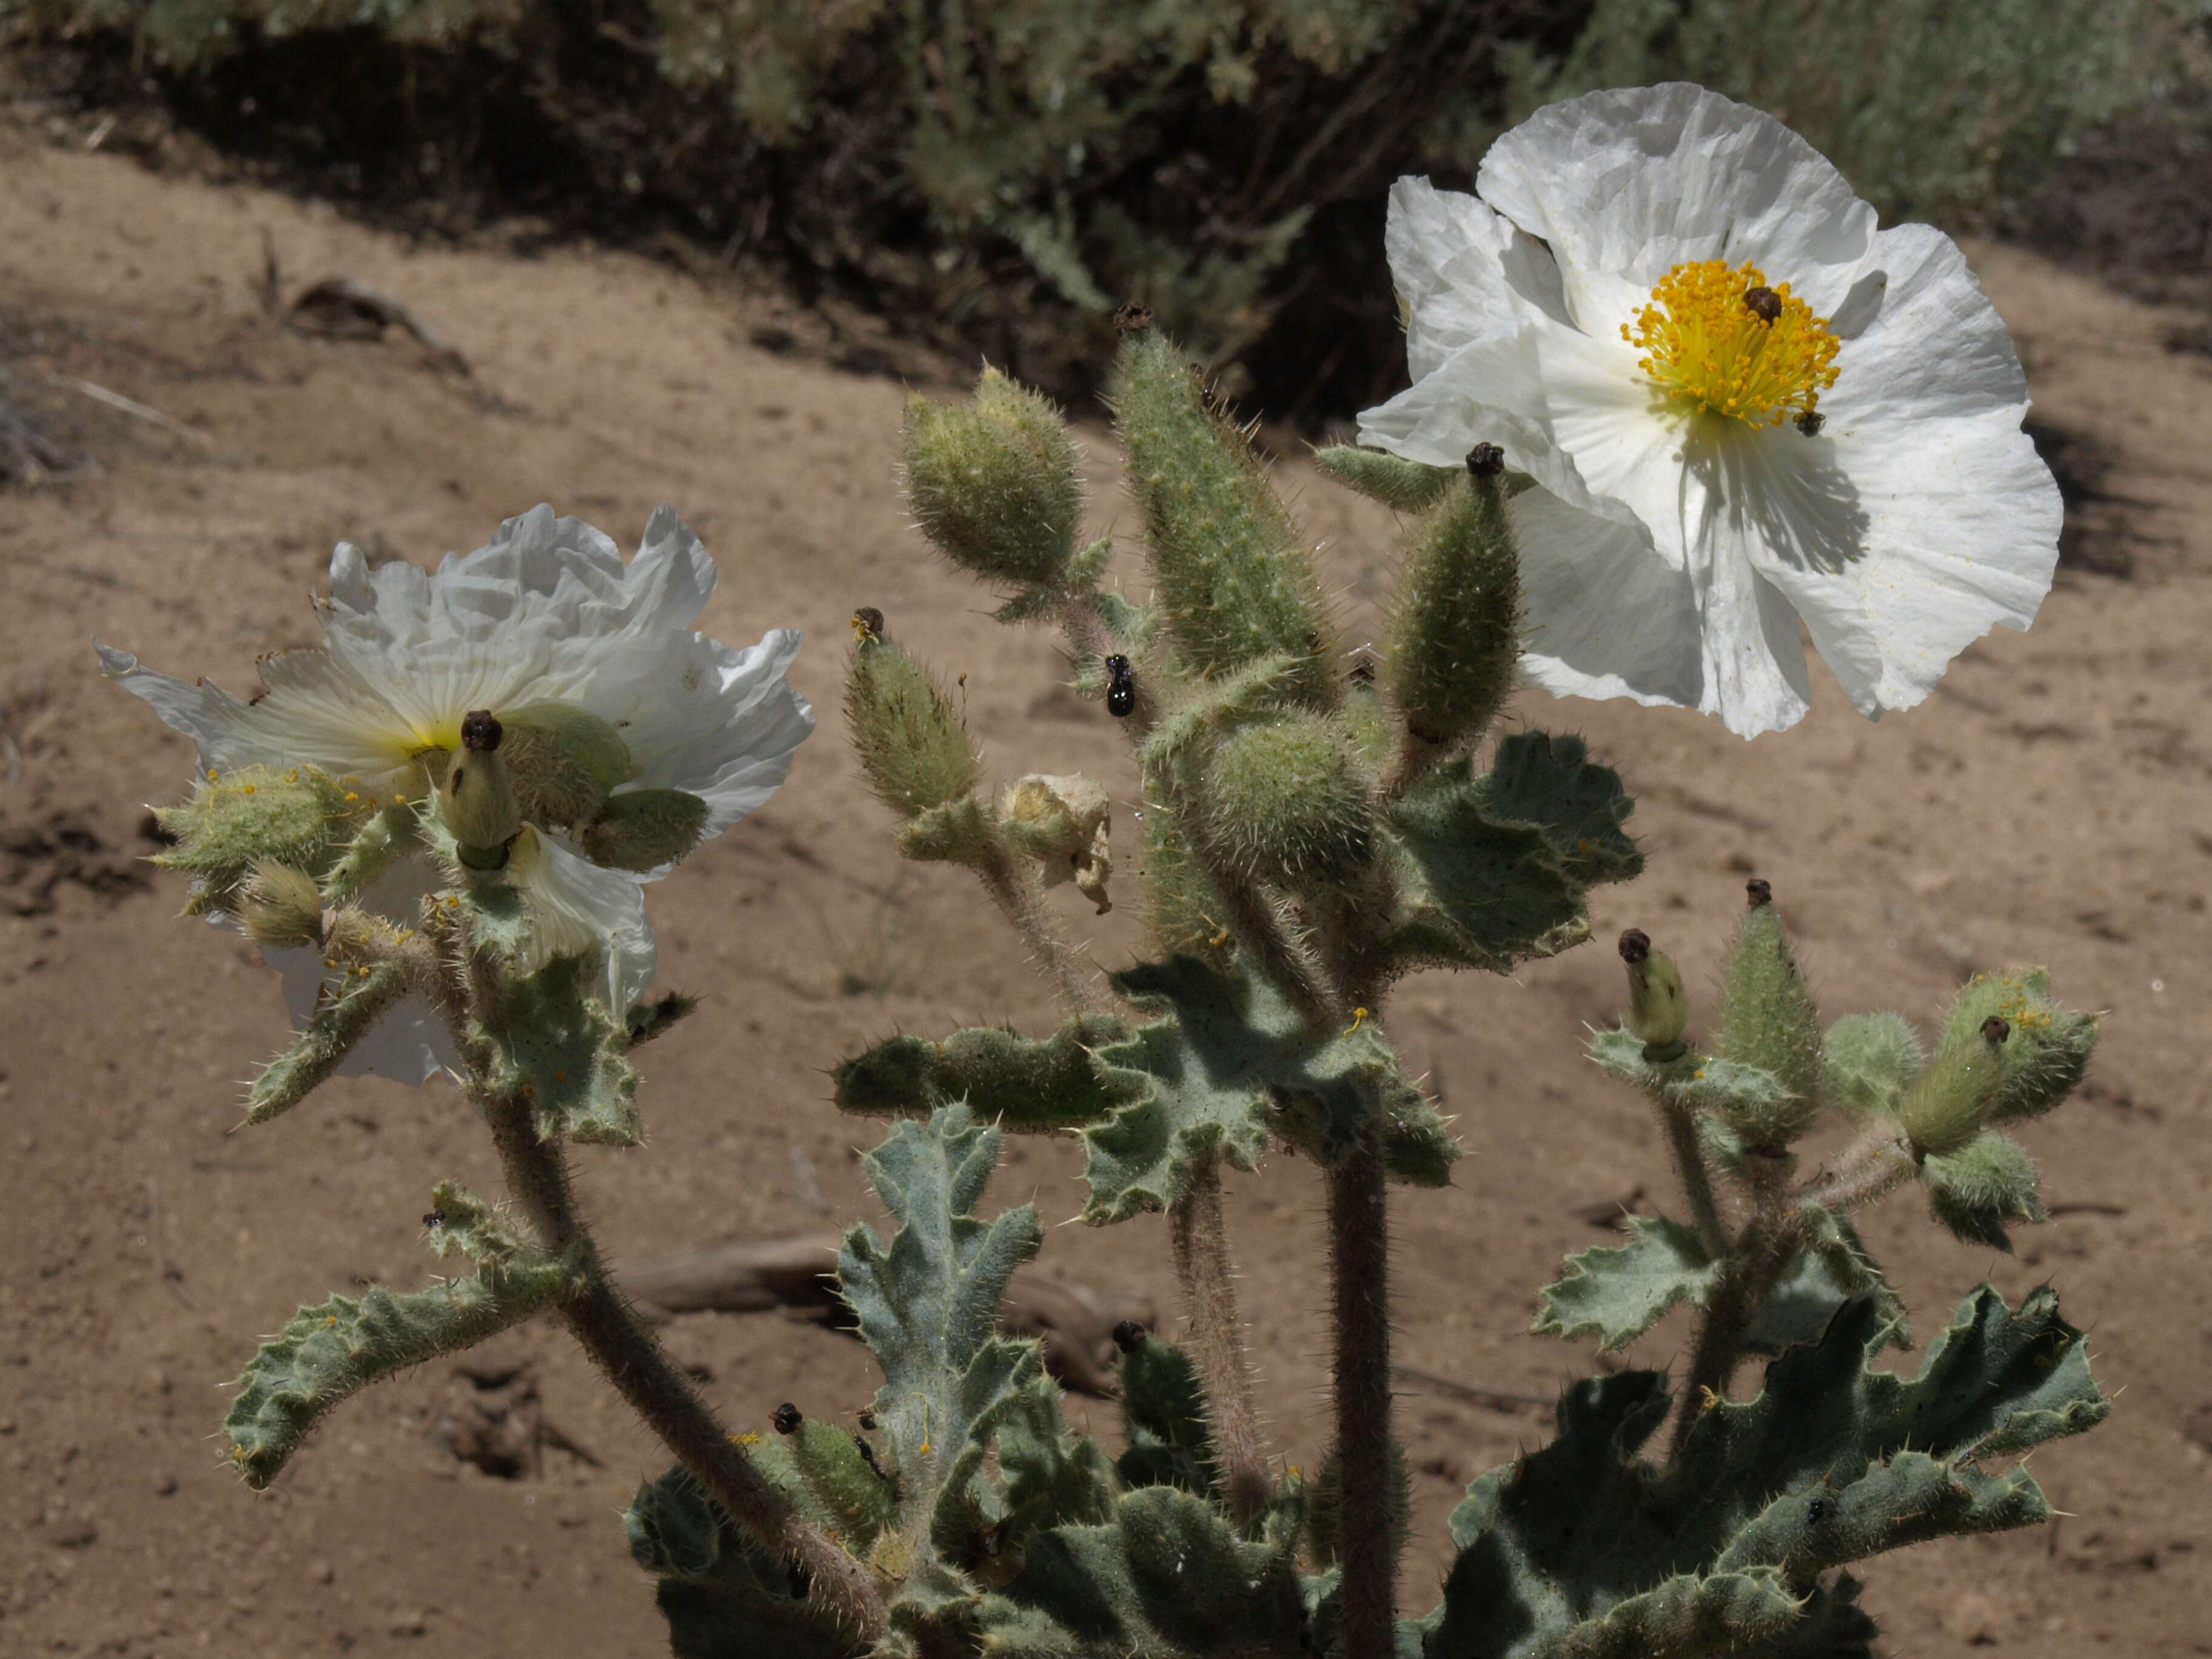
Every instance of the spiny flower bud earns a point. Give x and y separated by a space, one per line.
235 820
1987 1181
2045 1048
1286 799
911 743
1957 1094
1455 621
281 907
1658 1007
644 829
477 796
1402 485
995 484
563 761
1061 821
1770 1020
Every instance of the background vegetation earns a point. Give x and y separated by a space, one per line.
1000 174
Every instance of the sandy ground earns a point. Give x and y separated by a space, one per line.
2048 805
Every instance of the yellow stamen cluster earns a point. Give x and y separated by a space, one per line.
1724 343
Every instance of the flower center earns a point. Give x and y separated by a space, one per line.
1723 342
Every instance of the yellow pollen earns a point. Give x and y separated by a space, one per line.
1725 342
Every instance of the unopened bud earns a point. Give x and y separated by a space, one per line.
477 797
995 483
1658 1006
281 907
563 761
1769 1021
911 743
1286 799
1956 1095
645 829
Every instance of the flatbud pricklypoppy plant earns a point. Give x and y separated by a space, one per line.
1673 392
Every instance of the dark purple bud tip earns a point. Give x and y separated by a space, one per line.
787 1418
1486 460
867 624
1760 892
1763 303
1133 318
480 731
1996 1028
1635 945
1129 1336
1811 421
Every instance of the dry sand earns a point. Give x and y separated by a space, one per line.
2048 805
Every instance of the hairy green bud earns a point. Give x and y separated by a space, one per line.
1987 1181
1770 1021
1234 582
236 822
1658 1006
1455 623
644 829
281 907
1871 1059
1957 1094
1286 800
995 484
958 832
562 761
2047 1050
844 1479
1402 485
912 742
478 798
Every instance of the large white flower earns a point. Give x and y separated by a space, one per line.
547 612
1743 406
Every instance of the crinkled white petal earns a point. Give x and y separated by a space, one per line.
576 906
1915 521
1624 184
546 611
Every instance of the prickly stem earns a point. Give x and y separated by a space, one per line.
1359 1266
1201 1242
1015 890
609 1330
1696 1174
1748 1276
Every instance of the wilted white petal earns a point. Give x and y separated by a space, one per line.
575 907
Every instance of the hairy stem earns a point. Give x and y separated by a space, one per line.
1256 925
1697 1175
1748 1275
537 1174
1016 892
1368 1527
1200 1241
1877 1161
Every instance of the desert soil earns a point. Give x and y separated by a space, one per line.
2048 805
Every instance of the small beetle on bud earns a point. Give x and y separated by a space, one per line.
1486 460
1658 1007
477 797
1758 891
1998 1029
1129 1336
788 1419
1134 317
867 624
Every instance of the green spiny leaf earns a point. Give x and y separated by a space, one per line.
1616 1293
344 1016
1016 1082
554 1038
331 1351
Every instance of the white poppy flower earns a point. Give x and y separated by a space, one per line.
547 612
1743 406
